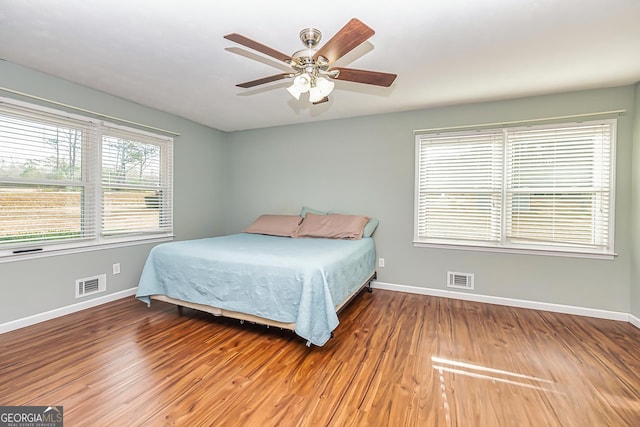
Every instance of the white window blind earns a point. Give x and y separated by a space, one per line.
135 187
460 186
537 187
51 194
559 185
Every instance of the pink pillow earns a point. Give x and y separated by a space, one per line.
332 226
275 225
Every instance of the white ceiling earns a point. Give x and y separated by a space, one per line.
171 55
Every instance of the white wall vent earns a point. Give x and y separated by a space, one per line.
459 280
91 285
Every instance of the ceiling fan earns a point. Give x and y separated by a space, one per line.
312 71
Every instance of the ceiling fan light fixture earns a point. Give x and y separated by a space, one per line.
301 84
325 85
294 92
320 90
315 94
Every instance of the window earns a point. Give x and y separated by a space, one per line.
70 182
535 188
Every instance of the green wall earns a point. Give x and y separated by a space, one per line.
635 230
30 287
366 166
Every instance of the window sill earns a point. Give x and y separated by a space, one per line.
547 251
51 251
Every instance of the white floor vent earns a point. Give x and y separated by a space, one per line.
459 280
91 285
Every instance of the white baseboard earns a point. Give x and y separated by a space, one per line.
634 321
535 305
62 311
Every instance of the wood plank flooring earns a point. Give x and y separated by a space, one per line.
396 360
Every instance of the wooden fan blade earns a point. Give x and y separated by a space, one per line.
252 44
325 99
264 80
351 35
364 76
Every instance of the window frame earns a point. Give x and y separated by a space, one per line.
504 245
91 214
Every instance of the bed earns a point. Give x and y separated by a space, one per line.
293 283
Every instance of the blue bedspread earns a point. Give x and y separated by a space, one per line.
279 278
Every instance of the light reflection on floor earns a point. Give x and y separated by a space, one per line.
443 365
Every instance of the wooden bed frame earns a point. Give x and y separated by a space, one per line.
257 319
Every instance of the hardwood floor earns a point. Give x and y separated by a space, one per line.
396 360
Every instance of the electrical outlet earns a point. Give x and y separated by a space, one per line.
116 268
381 262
